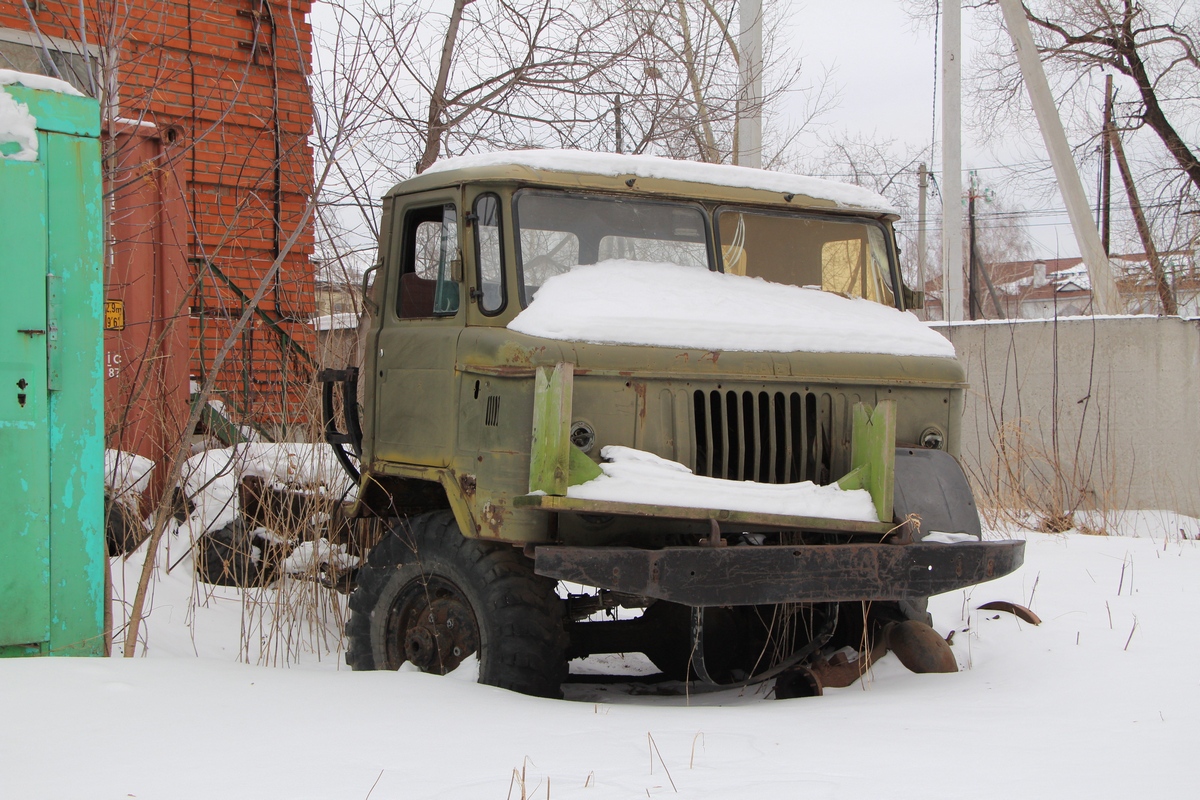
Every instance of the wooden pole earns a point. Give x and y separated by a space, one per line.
1165 295
923 184
973 309
1106 168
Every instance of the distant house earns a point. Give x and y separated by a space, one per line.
336 323
1061 287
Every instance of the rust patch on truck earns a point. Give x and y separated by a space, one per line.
493 518
516 354
639 389
467 484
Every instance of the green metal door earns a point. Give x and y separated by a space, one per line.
24 420
52 560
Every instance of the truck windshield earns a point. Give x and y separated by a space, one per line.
848 256
557 231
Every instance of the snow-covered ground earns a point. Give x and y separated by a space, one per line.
1102 700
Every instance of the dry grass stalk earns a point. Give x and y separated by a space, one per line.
655 751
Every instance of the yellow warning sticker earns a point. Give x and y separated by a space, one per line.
114 315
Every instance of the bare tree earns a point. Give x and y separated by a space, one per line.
1153 44
680 84
888 167
1150 49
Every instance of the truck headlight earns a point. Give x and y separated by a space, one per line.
933 438
582 435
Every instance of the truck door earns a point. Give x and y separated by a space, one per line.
416 389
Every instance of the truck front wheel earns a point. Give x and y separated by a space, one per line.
432 597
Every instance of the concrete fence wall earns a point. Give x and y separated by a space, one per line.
1082 413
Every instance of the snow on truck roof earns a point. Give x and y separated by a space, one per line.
536 163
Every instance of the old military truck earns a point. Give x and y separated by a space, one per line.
473 439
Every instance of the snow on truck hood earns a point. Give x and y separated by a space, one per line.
666 305
635 476
614 165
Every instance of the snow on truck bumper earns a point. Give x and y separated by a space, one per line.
754 575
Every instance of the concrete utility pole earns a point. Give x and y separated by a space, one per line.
1105 299
749 142
952 267
923 185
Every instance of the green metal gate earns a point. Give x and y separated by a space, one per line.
51 387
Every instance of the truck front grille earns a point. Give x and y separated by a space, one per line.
771 437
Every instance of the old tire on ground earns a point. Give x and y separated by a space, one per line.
122 530
229 557
431 596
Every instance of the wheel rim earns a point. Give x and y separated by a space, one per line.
431 624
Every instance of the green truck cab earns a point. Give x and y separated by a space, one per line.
481 408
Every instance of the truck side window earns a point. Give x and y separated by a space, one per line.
489 253
427 281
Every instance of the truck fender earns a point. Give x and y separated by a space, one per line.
460 492
931 484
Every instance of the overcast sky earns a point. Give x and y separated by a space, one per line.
884 66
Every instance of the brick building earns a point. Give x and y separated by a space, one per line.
207 116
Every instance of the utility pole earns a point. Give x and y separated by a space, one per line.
749 123
973 310
923 184
1106 168
952 267
1105 298
978 268
1165 295
617 122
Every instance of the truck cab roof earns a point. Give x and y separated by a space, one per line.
651 175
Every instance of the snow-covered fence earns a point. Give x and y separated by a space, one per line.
1083 413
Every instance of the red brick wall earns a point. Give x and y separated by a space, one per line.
224 110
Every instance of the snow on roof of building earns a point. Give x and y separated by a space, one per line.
640 166
667 305
1076 277
40 82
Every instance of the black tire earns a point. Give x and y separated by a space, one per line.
429 595
226 557
122 531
